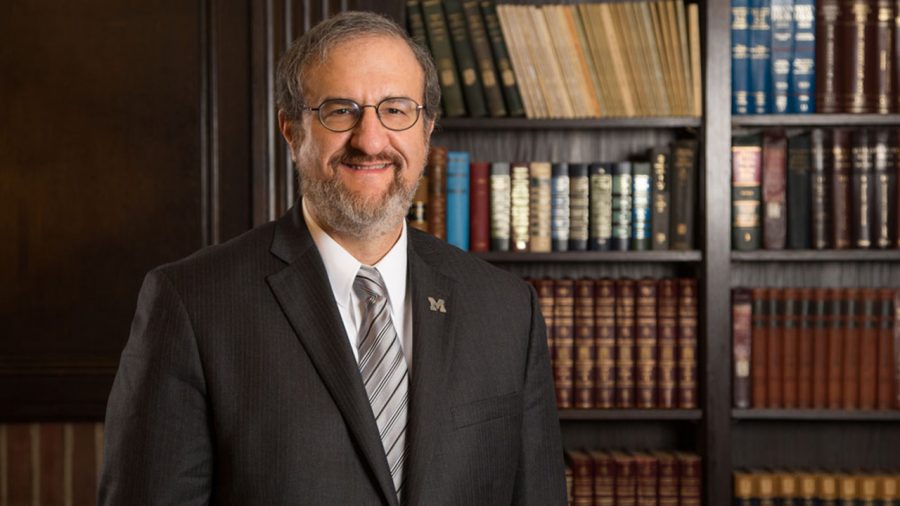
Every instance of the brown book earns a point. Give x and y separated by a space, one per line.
690 472
775 350
741 321
625 342
837 322
805 349
854 317
785 487
436 172
667 343
585 367
605 343
480 206
604 478
829 63
863 188
582 477
540 212
563 341
687 343
774 209
868 349
885 377
668 478
840 187
545 291
896 63
759 349
826 488
820 348
857 28
647 481
848 491
519 206
884 58
418 211
626 479
790 339
646 343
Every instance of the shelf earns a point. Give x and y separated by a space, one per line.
829 255
836 120
452 124
813 415
631 414
592 256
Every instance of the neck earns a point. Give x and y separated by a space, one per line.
367 249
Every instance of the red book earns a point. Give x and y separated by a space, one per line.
545 288
646 343
604 478
759 349
741 316
896 349
868 349
625 342
647 470
582 478
805 351
626 479
774 210
850 381
668 479
885 349
687 343
564 342
480 206
820 348
837 322
605 343
857 44
775 350
689 479
789 349
667 342
584 344
436 171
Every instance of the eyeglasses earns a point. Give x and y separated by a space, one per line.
341 114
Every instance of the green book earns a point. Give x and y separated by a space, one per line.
442 50
501 56
465 59
481 46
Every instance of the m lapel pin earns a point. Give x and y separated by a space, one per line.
437 305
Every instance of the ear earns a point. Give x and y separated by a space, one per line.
291 131
429 127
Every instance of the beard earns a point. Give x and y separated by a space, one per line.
348 213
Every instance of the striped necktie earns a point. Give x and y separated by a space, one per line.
383 369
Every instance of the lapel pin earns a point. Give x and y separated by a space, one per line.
437 305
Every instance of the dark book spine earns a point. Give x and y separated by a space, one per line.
442 50
836 330
647 349
790 343
604 478
540 199
480 206
687 343
775 353
896 323
585 367
759 349
868 350
782 50
465 59
626 479
820 348
840 188
605 343
640 210
563 341
850 356
774 184
896 68
481 47
805 349
884 58
501 57
802 98
668 479
684 184
601 197
500 206
621 205
582 477
886 350
520 229
660 220
895 208
625 342
415 23
690 479
746 171
667 341
863 189
560 206
740 56
647 482
418 211
798 218
819 183
857 31
545 289
579 206
760 56
885 181
436 171
741 316
828 64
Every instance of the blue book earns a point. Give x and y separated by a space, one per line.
802 90
760 57
782 15
740 56
458 199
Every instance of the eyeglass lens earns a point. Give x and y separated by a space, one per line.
394 113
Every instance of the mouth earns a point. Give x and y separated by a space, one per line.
367 166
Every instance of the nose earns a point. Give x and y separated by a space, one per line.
369 135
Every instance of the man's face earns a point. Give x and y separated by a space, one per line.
361 182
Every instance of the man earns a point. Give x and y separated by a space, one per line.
337 356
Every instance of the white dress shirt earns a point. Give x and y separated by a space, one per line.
342 268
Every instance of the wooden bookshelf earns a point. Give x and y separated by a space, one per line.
691 256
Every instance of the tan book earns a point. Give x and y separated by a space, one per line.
888 488
696 70
539 196
585 62
618 71
522 16
552 82
517 55
665 57
681 84
589 15
563 49
649 81
628 46
661 97
660 7
684 46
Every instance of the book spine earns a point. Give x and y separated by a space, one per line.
667 342
741 316
621 206
546 290
563 341
759 348
540 194
668 479
819 184
884 58
418 210
863 190
746 171
647 481
687 343
604 478
625 342
582 477
896 67
626 479
519 206
805 350
743 489
605 343
868 350
856 38
886 350
884 180
660 218
790 343
436 171
579 206
690 479
500 206
640 211
560 206
466 66
820 349
841 184
760 56
481 47
774 207
828 65
458 199
782 50
799 224
647 346
601 196
802 95
415 23
850 357
585 367
896 323
836 330
442 50
501 56
684 184
740 56
775 350
480 206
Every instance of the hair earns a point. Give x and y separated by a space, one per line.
314 45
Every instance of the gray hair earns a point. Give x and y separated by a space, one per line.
313 48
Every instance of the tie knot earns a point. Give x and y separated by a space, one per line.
369 285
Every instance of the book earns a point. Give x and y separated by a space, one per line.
684 184
743 489
885 353
868 349
760 56
884 57
741 321
520 220
667 343
481 48
820 348
829 66
746 172
540 174
582 477
442 50
840 188
856 42
837 322
687 343
585 366
605 343
640 210
621 205
585 59
863 190
480 206
415 23
802 85
884 180
436 173
519 58
646 340
759 348
625 342
819 187
601 196
647 478
604 477
693 11
458 199
690 479
896 322
853 315
466 64
805 348
782 50
775 350
418 210
546 291
660 197
564 341
507 76
774 188
790 344
798 189
626 478
500 206
559 206
579 206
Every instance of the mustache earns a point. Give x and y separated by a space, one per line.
356 157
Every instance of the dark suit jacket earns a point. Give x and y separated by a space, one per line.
238 385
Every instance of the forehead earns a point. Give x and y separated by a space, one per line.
366 68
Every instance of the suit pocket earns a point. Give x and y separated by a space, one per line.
487 409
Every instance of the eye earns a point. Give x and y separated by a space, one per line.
393 111
340 111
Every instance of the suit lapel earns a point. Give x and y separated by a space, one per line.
304 294
431 351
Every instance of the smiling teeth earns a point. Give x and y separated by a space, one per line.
368 167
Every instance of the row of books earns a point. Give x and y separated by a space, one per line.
805 56
813 488
821 348
620 478
824 188
622 343
645 204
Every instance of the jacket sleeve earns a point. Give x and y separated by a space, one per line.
540 478
157 438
